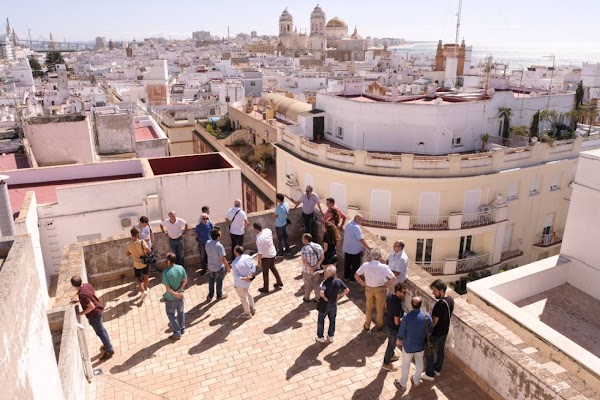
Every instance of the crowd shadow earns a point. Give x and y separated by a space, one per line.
228 322
307 359
290 321
373 389
140 356
355 352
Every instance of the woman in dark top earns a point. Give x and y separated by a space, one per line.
330 240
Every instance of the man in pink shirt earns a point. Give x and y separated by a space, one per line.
334 213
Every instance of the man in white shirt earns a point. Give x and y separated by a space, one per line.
238 222
398 263
378 277
176 228
266 256
309 201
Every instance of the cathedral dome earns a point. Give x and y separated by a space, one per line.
317 13
336 23
355 35
285 16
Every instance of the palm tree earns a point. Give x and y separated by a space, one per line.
505 113
573 116
589 112
552 117
485 138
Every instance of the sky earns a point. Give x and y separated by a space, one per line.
507 22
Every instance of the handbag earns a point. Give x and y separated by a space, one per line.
233 219
288 221
148 259
322 305
430 347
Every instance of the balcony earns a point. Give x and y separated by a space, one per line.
473 263
427 223
379 220
452 266
549 239
510 254
478 219
433 267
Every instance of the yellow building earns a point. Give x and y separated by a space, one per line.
457 213
260 47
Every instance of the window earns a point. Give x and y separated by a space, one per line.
465 246
424 250
555 184
513 190
456 142
340 132
252 83
534 186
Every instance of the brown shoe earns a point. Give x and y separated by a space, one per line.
174 338
107 355
395 358
389 367
223 297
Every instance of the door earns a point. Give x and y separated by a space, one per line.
429 206
464 250
547 231
472 201
338 192
381 201
318 128
424 251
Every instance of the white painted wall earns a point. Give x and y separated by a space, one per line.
401 127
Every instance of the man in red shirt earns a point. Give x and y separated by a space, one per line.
335 214
92 309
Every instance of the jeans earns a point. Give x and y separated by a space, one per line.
247 299
351 264
406 360
309 222
391 345
96 323
440 341
283 239
216 277
311 283
236 240
269 264
375 297
177 248
203 259
177 324
331 313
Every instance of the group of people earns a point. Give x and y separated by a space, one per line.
383 282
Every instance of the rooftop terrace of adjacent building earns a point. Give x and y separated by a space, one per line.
46 181
496 160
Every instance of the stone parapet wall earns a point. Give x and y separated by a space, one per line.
494 356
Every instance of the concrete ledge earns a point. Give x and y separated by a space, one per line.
71 360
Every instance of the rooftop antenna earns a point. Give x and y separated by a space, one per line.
458 15
30 41
52 43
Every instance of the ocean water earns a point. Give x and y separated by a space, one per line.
518 57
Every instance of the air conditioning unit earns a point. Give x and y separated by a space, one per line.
126 222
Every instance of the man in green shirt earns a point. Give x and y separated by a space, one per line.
174 279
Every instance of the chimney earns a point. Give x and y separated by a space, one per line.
7 223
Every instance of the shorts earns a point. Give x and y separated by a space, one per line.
140 271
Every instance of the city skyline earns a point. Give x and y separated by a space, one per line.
524 24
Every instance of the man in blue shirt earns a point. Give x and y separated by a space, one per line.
412 334
281 218
353 245
203 235
217 265
243 270
174 278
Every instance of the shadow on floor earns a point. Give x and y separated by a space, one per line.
229 322
307 359
291 320
355 352
140 356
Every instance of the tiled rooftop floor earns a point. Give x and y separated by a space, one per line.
569 311
271 356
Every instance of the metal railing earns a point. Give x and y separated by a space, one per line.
478 219
472 263
428 223
432 267
549 239
379 220
507 255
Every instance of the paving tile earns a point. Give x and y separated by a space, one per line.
272 355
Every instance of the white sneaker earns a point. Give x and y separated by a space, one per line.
331 339
437 373
426 377
144 294
320 339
